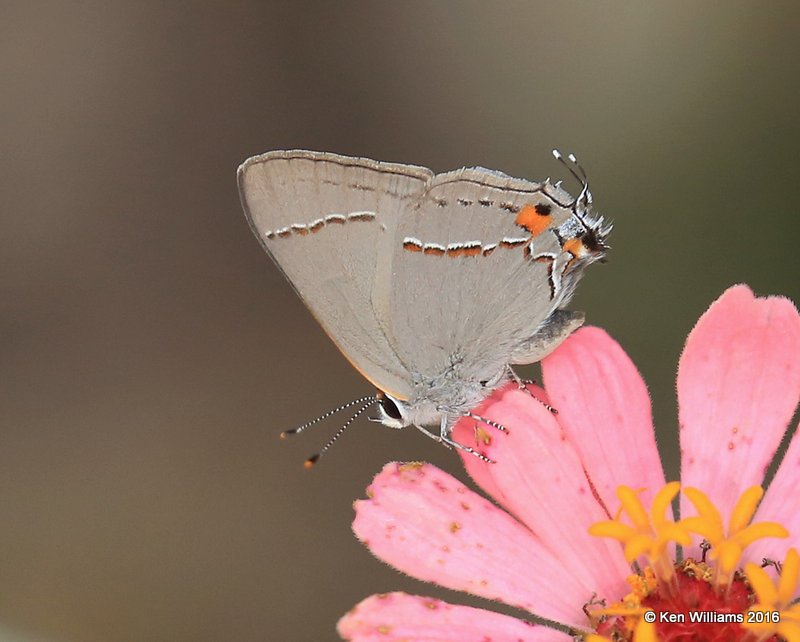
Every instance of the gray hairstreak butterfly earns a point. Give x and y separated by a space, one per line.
431 285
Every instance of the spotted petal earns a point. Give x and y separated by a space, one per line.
539 477
738 386
604 409
781 504
398 617
426 523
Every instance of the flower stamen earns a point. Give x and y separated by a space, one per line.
650 535
707 599
773 612
643 632
727 546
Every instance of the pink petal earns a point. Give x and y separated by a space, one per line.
426 523
781 504
738 385
604 408
479 472
539 477
398 617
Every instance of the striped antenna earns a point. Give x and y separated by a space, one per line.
580 175
330 413
581 178
309 463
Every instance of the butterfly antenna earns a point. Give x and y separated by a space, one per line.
580 175
294 431
309 463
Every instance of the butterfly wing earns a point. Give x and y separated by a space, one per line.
327 221
476 254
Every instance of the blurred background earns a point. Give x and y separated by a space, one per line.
150 352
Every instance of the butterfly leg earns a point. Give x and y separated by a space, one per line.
488 422
436 438
446 429
444 439
522 384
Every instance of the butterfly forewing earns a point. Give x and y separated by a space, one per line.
329 221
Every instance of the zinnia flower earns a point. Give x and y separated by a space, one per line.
581 533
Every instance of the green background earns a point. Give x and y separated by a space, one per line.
151 352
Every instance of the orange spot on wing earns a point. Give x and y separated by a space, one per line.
534 218
436 251
361 216
412 247
473 250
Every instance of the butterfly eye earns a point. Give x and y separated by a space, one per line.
389 406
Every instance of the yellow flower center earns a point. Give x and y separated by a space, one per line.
706 600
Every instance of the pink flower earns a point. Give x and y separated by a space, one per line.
572 491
